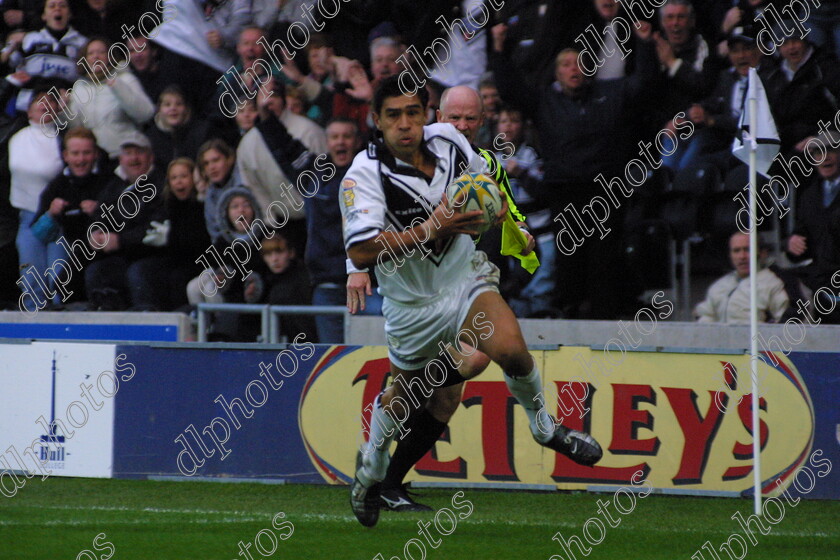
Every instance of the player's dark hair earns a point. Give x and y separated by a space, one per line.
390 87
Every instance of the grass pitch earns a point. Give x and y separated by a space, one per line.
143 520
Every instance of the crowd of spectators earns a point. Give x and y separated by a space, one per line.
154 152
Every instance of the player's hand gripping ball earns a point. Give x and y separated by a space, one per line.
475 191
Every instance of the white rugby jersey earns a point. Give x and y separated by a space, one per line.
381 193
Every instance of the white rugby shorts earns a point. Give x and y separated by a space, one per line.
414 330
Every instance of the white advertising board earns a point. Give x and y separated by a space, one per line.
56 404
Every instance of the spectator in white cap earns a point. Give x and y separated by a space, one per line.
126 272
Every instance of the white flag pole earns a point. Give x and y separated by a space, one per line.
753 105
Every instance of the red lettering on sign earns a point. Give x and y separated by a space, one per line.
745 450
628 419
429 465
375 375
566 470
496 426
699 431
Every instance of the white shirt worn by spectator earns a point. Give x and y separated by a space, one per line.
262 174
468 56
615 65
111 111
264 13
728 299
34 161
185 31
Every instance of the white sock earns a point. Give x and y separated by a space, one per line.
383 426
528 393
383 429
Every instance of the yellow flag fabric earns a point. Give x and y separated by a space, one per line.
513 242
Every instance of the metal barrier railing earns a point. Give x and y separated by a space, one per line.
270 316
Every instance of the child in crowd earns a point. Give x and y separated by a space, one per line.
295 101
282 281
223 282
490 101
217 164
246 117
184 232
523 169
174 132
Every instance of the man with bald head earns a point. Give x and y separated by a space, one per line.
460 106
728 299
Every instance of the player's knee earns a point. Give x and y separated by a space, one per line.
513 358
474 365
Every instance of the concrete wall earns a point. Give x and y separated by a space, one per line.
667 334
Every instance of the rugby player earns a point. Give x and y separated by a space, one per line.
436 286
462 107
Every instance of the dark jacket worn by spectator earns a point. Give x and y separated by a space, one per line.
800 103
186 242
117 13
325 255
585 134
9 291
815 222
188 237
149 191
74 190
169 143
29 17
290 287
692 81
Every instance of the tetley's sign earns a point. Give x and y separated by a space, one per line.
684 419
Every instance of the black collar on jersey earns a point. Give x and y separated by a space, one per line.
378 151
404 202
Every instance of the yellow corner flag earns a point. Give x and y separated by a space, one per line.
513 243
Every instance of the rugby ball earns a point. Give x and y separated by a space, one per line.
475 191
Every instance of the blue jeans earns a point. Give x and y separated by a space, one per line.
34 258
538 294
331 327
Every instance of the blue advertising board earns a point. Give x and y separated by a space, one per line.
294 414
212 412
